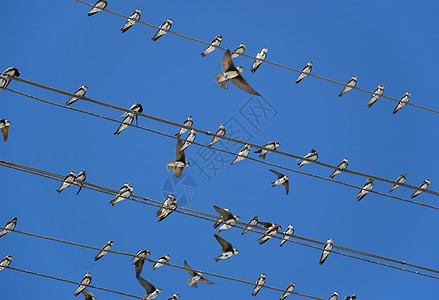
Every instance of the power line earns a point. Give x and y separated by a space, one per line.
239 225
228 152
265 61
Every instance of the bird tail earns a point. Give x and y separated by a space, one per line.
393 188
203 54
217 259
273 183
282 242
80 188
258 151
263 155
191 283
396 109
222 81
300 164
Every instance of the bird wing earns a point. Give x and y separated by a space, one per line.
279 175
226 246
148 286
189 270
266 224
87 294
179 155
224 213
227 62
139 267
243 85
5 132
205 281
286 184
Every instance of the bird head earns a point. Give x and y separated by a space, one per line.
170 21
240 69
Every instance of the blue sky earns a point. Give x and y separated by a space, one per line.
55 43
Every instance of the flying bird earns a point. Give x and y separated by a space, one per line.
189 139
401 179
259 284
134 109
288 291
353 297
196 276
270 145
251 224
88 295
150 289
4 128
378 92
80 178
164 28
367 187
349 86
226 247
220 219
9 226
168 206
7 74
104 250
135 16
305 71
227 218
5 262
139 261
161 261
242 154
422 187
239 50
174 297
125 192
233 74
68 181
80 93
179 162
271 230
99 6
125 123
326 250
83 284
260 57
215 43
334 296
221 132
287 234
188 123
403 101
313 156
341 166
281 179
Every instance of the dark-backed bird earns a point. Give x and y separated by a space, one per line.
288 291
287 234
68 181
281 179
83 284
305 71
161 261
239 50
334 296
401 179
242 154
151 291
5 262
367 187
271 146
349 86
403 101
189 139
127 121
168 206
179 161
80 179
260 57
124 192
221 132
215 43
376 94
188 123
196 276
422 187
139 260
135 109
9 226
135 16
259 284
164 28
251 224
99 6
104 250
313 156
226 247
4 128
271 230
341 166
227 218
326 250
79 92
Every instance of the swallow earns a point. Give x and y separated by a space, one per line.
80 178
242 154
288 291
104 250
227 218
166 26
7 74
239 50
189 139
83 284
3 82
174 297
125 192
378 92
215 43
79 92
226 247
125 123
305 71
150 289
259 284
349 86
220 219
9 226
139 260
4 128
353 297
287 235
341 166
270 231
260 57
401 179
179 162
188 123
313 156
334 296
196 276
221 132
99 6
281 179
5 262
367 187
168 206
135 16
161 261
68 181
403 101
251 224
88 295
422 187
326 250
135 109
233 74
270 145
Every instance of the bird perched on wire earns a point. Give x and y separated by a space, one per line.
305 71
271 230
260 57
80 179
161 261
270 145
164 28
104 250
242 154
139 260
168 206
80 92
135 16
124 192
287 234
400 180
134 109
288 291
68 181
313 156
349 86
4 128
127 121
367 187
99 6
251 224
422 187
259 284
326 250
83 284
227 218
9 226
376 94
221 132
179 161
215 43
239 50
341 166
188 123
403 101
6 76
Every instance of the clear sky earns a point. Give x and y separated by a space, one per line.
382 42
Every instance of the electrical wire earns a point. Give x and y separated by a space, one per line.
239 225
225 151
265 61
